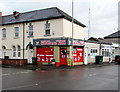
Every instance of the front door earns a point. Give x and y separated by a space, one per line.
63 56
86 56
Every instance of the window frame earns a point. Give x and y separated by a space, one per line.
16 31
105 52
47 29
4 33
19 50
14 51
30 33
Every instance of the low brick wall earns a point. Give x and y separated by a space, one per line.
19 62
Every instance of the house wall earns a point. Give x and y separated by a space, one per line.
60 27
10 39
77 30
89 46
116 45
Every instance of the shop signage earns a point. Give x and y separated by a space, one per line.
52 42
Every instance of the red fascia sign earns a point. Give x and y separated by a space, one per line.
81 43
39 42
49 42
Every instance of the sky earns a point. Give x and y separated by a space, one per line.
103 13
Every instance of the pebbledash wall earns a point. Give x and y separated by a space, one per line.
59 27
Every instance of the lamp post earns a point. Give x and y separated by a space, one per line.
72 31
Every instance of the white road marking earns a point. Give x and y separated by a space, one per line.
92 74
22 72
5 74
21 86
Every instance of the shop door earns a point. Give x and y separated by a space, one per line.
63 56
44 54
80 54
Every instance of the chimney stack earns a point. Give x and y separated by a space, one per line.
15 13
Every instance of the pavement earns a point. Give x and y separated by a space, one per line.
35 67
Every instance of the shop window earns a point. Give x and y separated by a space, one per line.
14 51
4 32
16 31
106 52
19 51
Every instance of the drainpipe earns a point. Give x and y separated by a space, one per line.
100 50
23 39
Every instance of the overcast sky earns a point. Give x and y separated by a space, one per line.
104 13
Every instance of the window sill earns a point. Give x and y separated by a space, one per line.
3 38
16 37
46 35
30 36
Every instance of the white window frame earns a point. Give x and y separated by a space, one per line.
16 29
14 51
19 51
30 30
4 31
47 28
105 52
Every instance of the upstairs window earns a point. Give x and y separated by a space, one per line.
47 28
4 32
16 31
30 30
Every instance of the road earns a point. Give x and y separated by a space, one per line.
81 78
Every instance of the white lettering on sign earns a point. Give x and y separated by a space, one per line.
74 55
42 59
80 54
79 49
49 55
37 43
41 55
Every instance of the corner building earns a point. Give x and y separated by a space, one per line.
46 28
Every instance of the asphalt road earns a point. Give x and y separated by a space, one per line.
82 78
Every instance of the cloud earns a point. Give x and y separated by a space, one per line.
103 12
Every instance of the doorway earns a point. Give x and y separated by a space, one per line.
86 56
63 56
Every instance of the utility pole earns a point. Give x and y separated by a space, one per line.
72 31
89 25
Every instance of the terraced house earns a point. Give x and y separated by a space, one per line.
51 30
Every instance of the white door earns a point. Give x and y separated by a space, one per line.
30 55
86 56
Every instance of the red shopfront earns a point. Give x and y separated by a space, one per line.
46 51
44 54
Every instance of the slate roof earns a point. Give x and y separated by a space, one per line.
98 40
113 35
37 15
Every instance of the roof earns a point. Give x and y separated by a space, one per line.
113 35
98 40
37 15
